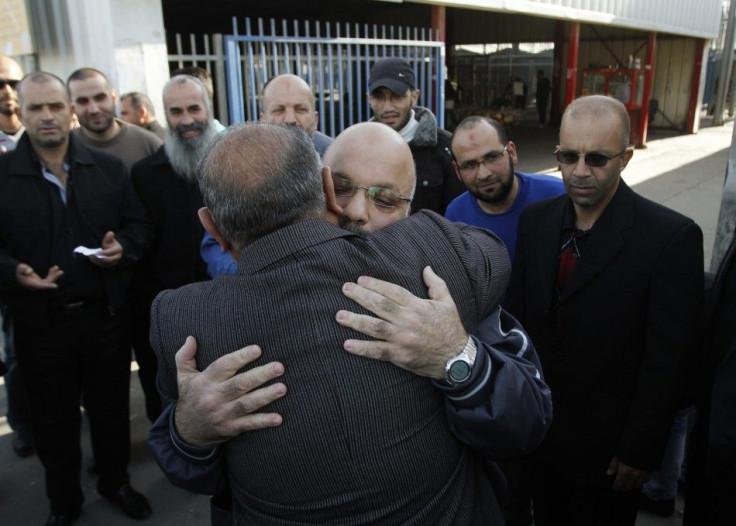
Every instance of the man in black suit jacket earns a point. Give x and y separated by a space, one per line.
608 286
711 455
361 440
55 195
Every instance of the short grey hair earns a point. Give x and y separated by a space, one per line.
258 177
183 79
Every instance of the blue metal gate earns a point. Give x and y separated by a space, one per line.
336 67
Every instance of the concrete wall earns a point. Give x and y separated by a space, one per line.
125 39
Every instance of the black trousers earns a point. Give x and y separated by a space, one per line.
83 354
560 501
140 329
711 494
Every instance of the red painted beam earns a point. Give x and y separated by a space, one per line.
648 74
694 105
573 49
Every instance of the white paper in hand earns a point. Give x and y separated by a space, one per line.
89 251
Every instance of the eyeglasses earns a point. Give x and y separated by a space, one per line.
380 96
7 82
471 167
593 159
378 195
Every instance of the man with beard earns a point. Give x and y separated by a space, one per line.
609 286
94 103
10 126
166 183
393 98
496 196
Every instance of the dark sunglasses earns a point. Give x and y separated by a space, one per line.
11 83
378 195
594 159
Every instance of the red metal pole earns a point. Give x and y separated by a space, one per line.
438 21
648 74
694 104
572 63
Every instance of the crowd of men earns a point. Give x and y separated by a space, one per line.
317 343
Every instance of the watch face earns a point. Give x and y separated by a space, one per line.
459 371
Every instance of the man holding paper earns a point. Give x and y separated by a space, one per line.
57 195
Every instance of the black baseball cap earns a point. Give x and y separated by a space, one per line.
393 73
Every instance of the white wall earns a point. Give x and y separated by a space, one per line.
125 39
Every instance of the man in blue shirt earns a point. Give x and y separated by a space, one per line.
287 99
496 196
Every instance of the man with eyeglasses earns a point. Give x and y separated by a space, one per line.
393 97
497 194
609 286
373 189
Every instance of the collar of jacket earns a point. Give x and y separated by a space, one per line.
285 241
25 159
427 132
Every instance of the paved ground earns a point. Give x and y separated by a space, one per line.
683 172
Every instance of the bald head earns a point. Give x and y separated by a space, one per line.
288 99
10 75
257 177
371 155
596 108
10 69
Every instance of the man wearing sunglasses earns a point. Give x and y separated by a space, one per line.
497 194
10 126
609 286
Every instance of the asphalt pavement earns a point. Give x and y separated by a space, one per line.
683 172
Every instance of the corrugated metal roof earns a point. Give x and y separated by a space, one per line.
695 18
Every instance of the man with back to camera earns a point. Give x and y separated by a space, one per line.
56 195
609 287
503 371
137 109
393 97
287 99
497 194
94 103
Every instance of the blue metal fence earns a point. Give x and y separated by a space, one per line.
335 59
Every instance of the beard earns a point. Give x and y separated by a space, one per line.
351 226
500 193
185 153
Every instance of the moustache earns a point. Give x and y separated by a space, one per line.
184 128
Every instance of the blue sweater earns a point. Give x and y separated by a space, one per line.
532 188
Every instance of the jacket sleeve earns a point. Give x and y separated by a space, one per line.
196 469
505 407
135 233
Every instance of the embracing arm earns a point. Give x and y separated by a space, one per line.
504 408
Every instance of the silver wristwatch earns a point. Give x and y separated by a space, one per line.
458 369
